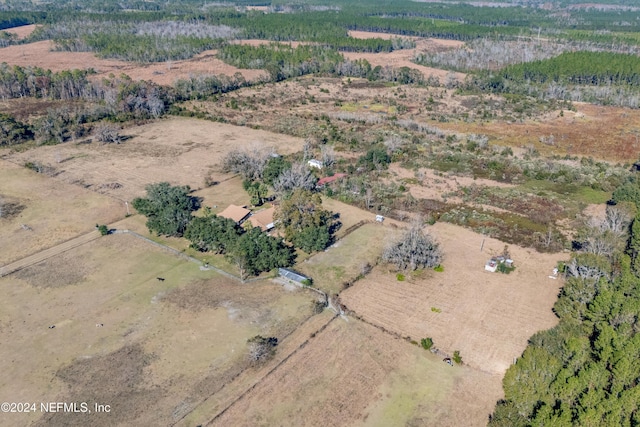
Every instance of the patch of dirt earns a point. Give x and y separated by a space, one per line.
205 294
63 270
114 379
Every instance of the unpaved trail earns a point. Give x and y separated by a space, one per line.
48 253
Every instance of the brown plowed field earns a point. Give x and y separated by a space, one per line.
40 54
352 374
487 316
178 150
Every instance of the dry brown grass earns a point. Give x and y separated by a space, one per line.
23 31
41 54
402 57
353 374
159 351
487 316
575 133
54 210
181 151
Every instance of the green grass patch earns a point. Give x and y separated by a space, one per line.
573 192
344 262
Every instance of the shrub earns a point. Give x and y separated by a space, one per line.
439 268
504 269
426 343
400 277
456 357
103 229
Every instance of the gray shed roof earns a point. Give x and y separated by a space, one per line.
292 275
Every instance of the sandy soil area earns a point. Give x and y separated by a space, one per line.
403 57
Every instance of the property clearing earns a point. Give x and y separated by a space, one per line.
42 54
178 150
488 317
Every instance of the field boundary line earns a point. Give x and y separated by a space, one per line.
48 253
181 254
272 370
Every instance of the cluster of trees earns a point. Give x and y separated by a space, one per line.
304 222
169 211
586 370
580 68
154 41
299 213
251 251
414 249
585 76
282 61
117 98
13 131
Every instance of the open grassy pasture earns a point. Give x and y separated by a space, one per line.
343 261
53 210
352 374
181 151
151 349
487 316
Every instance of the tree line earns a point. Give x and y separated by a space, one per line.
586 370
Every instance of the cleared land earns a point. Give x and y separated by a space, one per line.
352 374
151 349
50 211
487 316
181 151
402 57
23 31
41 54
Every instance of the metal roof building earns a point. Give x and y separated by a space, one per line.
292 275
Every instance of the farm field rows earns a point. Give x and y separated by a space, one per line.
488 317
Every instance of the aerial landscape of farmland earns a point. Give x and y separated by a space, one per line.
314 213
